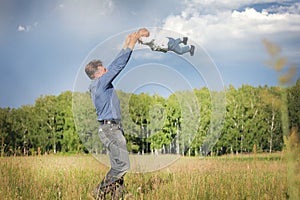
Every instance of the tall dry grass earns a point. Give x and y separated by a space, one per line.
74 177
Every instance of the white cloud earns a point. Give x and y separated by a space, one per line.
22 28
293 9
219 5
220 26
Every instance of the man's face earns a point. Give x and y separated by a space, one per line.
102 70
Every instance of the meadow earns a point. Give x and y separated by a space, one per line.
261 176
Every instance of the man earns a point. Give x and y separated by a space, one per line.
167 44
107 107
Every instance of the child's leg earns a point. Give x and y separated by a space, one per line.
182 50
177 41
173 45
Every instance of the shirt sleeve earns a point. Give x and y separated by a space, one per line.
116 67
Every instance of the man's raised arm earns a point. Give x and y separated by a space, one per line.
131 40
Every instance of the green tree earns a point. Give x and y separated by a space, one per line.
85 119
47 108
70 140
173 123
131 129
139 106
159 136
4 128
189 119
271 102
294 105
251 115
233 122
23 130
204 102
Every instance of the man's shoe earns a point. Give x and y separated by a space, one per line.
192 50
98 193
108 185
184 41
118 192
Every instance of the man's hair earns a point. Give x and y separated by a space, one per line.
92 67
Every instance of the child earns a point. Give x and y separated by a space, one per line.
170 44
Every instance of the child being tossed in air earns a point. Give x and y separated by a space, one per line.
168 44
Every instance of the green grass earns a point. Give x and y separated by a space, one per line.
73 177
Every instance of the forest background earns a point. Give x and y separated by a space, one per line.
252 122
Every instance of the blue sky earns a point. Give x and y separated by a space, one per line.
44 44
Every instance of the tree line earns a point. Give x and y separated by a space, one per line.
183 123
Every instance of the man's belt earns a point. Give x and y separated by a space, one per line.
111 121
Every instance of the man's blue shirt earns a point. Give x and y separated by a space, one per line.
102 90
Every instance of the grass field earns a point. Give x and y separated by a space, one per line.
73 177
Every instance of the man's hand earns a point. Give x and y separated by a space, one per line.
126 42
131 40
134 37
